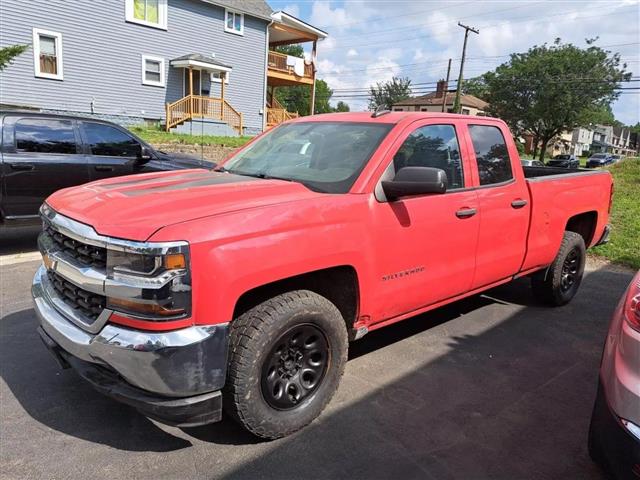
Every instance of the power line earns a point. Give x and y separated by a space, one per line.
346 72
521 19
421 25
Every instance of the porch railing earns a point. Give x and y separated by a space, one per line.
197 106
277 114
278 61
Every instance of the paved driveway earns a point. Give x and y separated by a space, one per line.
492 387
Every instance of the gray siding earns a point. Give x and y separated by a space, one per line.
102 57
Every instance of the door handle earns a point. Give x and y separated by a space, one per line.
22 166
103 168
466 212
519 203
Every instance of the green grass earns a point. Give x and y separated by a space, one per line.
624 246
156 135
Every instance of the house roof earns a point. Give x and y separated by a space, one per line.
201 61
432 99
255 8
289 20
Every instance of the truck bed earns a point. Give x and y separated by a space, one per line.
536 172
558 194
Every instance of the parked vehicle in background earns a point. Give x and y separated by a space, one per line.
531 163
564 161
43 153
598 160
614 435
172 291
616 158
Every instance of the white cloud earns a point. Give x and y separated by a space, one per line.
292 9
373 41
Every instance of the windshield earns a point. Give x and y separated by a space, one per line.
562 157
599 155
324 156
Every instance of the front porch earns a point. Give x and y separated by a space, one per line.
196 105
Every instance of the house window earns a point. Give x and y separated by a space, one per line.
152 13
153 71
47 54
216 77
466 111
234 22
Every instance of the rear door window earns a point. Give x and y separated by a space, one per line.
40 135
433 146
109 141
492 156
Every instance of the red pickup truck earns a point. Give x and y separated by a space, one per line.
176 292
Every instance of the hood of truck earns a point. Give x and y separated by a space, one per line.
134 207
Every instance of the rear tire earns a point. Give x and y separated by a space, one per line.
559 283
286 358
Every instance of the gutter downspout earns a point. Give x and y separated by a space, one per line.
266 67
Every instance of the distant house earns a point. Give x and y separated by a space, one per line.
192 65
432 102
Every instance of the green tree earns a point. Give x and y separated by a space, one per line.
385 94
295 50
552 88
298 98
342 107
476 86
8 54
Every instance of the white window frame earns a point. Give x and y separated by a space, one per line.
37 32
233 30
163 78
162 15
219 80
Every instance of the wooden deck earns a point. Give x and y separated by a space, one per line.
281 74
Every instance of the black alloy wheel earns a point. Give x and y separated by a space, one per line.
295 367
570 268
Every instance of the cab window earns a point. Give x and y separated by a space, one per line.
492 156
433 146
39 135
109 141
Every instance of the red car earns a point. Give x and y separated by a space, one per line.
175 291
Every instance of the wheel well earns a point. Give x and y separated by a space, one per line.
339 285
583 224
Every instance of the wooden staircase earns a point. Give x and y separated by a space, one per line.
196 107
276 113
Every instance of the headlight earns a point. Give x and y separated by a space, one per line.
153 284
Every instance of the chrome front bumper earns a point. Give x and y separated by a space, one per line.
178 363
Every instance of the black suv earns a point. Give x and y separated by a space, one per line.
43 153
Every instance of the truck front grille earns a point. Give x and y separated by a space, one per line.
87 303
88 255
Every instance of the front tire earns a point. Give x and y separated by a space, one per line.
559 283
286 358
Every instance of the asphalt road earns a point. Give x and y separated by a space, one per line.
492 387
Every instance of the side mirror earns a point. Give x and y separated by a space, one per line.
144 155
411 181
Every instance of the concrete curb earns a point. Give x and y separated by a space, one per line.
19 258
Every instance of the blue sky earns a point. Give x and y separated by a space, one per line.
372 41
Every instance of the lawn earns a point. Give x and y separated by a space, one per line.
155 135
624 247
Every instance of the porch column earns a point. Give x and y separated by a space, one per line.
191 92
313 67
223 78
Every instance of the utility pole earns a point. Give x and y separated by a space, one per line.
444 96
456 105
